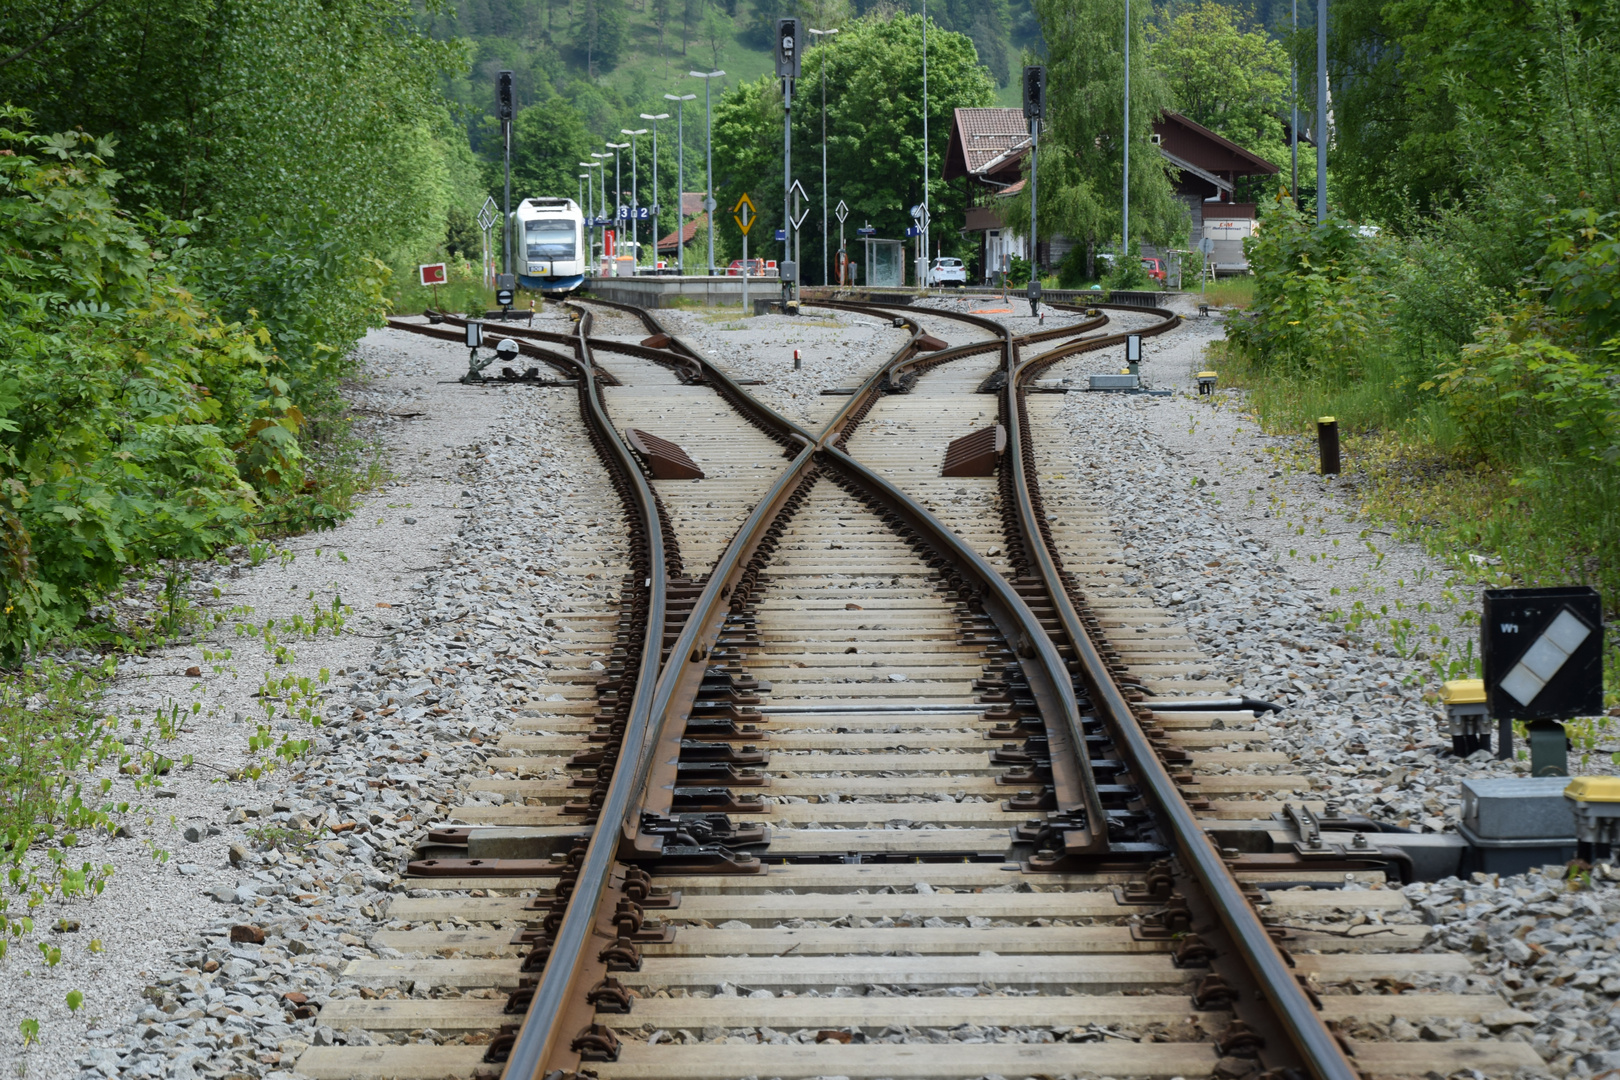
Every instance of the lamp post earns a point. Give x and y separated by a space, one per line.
680 101
826 278
1293 107
709 204
601 160
1321 111
655 117
635 197
1125 177
590 206
618 192
922 276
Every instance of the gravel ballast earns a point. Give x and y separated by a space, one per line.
452 571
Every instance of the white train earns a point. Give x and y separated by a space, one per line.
549 245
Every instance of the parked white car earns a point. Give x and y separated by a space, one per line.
947 271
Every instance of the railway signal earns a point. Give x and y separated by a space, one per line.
743 214
504 110
1543 658
789 42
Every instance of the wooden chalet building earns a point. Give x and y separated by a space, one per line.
987 150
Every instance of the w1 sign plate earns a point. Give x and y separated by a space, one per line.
1543 653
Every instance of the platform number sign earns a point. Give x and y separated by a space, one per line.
1543 653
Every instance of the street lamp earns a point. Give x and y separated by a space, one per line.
618 186
708 198
922 268
1125 176
655 117
590 205
826 278
680 101
601 159
635 198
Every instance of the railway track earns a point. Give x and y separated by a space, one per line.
887 775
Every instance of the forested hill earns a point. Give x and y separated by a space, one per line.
629 44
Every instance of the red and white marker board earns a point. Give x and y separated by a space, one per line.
433 274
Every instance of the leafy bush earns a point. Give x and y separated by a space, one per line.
1129 273
1315 296
136 423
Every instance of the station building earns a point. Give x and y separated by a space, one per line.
986 154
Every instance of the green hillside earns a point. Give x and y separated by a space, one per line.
614 59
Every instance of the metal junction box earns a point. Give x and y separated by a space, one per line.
1512 825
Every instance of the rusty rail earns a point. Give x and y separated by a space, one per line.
1267 997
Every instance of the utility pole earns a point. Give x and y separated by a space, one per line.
826 272
1034 110
504 109
1125 184
789 44
1321 110
1293 121
680 101
709 204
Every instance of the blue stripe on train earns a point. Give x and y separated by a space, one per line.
547 284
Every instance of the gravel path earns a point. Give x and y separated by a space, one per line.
449 574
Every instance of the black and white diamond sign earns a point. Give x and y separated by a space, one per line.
1543 653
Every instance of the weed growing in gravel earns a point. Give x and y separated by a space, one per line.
296 696
52 740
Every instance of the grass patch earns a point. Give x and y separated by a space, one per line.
411 297
1495 525
1230 292
52 738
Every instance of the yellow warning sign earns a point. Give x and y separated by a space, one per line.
743 213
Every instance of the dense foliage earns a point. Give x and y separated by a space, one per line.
1479 319
135 423
172 333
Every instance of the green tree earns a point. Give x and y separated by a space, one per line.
549 141
1080 197
1231 80
603 26
874 129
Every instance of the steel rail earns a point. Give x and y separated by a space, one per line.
539 1042
1317 1048
535 1040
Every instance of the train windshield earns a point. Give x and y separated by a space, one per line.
550 238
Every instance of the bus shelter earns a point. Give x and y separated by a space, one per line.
885 263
